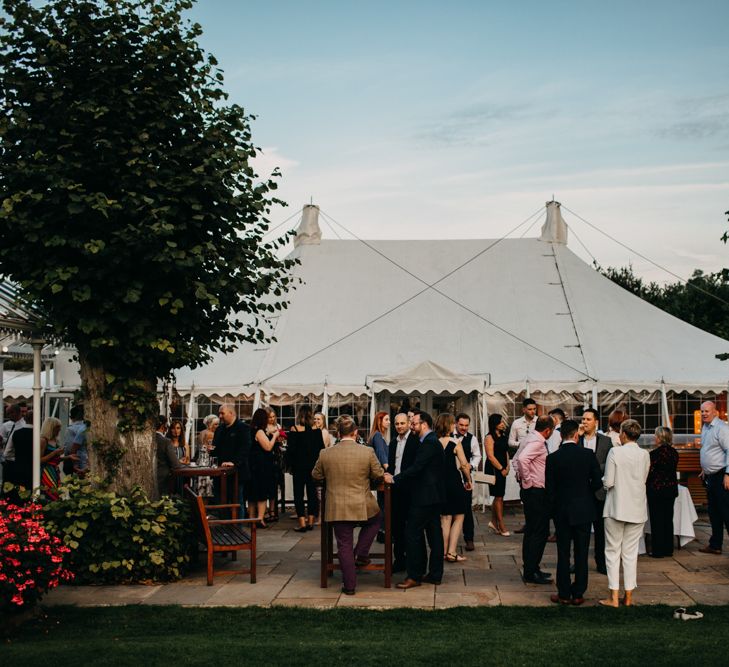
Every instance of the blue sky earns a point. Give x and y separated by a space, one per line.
435 120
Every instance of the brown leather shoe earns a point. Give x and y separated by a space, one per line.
469 545
710 550
558 600
408 583
578 601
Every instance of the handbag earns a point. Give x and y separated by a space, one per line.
483 477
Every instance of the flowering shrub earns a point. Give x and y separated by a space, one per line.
31 559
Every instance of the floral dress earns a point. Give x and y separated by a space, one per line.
50 474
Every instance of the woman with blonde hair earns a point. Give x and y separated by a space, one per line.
51 455
205 437
455 468
204 485
320 422
625 512
279 450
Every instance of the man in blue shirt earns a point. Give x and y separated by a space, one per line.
715 472
74 445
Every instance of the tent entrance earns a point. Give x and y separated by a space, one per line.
429 402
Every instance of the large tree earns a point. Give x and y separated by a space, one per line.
130 210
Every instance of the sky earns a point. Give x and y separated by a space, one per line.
419 119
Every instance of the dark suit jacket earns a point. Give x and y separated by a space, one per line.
424 478
233 443
408 455
572 477
602 448
23 468
167 461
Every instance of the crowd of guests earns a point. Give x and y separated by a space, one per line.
592 485
58 457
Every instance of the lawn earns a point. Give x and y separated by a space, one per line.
147 635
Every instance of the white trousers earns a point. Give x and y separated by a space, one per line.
621 544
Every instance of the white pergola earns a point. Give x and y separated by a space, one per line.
20 336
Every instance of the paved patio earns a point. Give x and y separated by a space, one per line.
288 575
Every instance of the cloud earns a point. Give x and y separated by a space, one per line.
699 118
477 124
269 158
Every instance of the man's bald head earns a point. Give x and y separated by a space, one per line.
227 413
708 412
402 423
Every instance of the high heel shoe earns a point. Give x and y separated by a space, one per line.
505 533
493 528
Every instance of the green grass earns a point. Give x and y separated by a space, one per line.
486 636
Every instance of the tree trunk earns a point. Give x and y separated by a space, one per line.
126 459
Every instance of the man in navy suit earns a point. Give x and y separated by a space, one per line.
601 445
401 455
572 477
424 480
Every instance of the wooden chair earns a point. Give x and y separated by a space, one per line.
328 555
689 465
223 535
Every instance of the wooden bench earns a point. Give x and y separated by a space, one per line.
223 535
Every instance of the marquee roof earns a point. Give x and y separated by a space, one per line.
480 314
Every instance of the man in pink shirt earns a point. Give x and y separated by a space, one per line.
530 467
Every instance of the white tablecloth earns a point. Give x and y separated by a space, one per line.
684 515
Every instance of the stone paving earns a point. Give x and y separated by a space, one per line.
288 575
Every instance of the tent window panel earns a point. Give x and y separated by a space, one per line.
286 414
684 405
210 406
360 412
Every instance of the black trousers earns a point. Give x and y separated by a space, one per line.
660 510
468 519
424 521
302 482
567 536
598 526
398 522
536 529
718 499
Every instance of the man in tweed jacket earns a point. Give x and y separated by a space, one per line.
348 468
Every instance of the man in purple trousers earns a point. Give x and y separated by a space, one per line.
348 468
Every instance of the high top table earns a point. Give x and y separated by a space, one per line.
223 472
684 515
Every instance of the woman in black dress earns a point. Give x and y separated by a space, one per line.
262 485
662 491
302 452
457 487
497 464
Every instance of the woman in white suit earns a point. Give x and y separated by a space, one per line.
626 510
